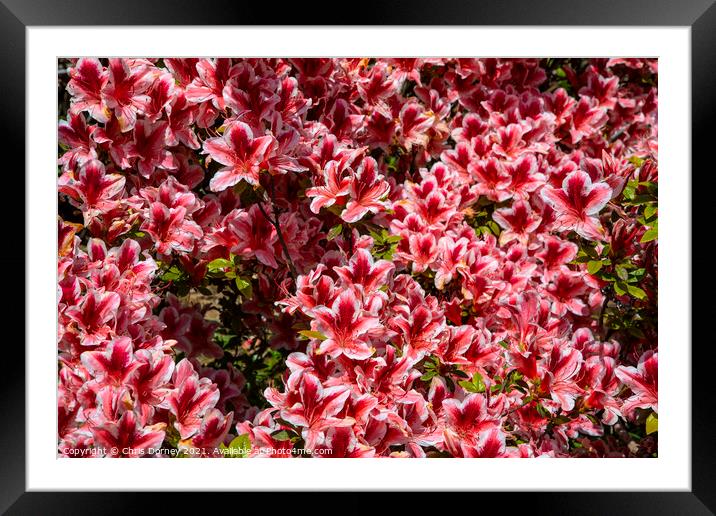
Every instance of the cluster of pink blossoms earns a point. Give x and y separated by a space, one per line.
451 257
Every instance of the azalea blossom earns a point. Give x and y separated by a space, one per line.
577 203
357 257
242 154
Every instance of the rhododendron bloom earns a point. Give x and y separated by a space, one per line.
125 91
335 186
518 222
96 190
242 154
126 438
192 399
357 257
643 381
255 236
148 148
88 79
345 324
366 192
577 203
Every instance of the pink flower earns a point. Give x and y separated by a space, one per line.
518 222
95 190
212 432
469 429
491 179
77 136
255 236
334 188
367 189
556 252
342 442
170 229
414 124
125 92
587 117
213 74
93 316
345 326
453 316
191 399
149 148
153 371
419 331
87 80
561 368
241 153
643 380
115 365
127 438
423 251
315 408
180 117
364 271
577 203
565 289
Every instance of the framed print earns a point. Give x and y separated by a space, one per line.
429 249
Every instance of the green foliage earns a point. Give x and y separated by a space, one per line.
432 367
310 334
384 244
476 384
512 380
335 231
239 448
620 273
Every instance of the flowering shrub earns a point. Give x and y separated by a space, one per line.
358 257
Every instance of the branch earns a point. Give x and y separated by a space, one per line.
279 233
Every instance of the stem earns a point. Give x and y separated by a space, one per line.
619 210
275 224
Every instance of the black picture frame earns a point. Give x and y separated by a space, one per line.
700 15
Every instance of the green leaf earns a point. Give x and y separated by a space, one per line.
172 274
560 420
642 199
336 210
650 235
282 435
591 252
620 288
219 263
429 375
629 192
637 161
244 286
636 292
593 266
622 272
638 273
203 290
650 211
541 410
335 231
239 447
636 332
313 334
652 424
468 386
477 383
